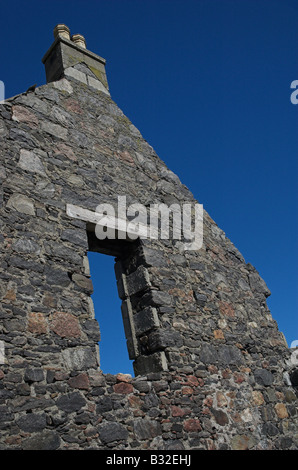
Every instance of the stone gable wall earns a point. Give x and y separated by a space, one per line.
212 369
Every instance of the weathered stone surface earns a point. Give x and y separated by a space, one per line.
65 325
84 282
192 425
281 410
146 429
46 440
242 442
26 246
137 281
21 203
30 161
79 358
263 377
145 320
22 114
32 422
71 402
112 432
229 355
123 388
220 417
34 375
54 129
37 323
208 354
163 339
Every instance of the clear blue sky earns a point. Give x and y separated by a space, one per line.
207 82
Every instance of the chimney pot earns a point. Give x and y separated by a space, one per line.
62 31
79 40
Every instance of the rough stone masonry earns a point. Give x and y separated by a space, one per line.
212 370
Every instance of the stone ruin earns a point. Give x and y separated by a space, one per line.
212 370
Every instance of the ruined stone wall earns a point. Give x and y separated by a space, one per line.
212 369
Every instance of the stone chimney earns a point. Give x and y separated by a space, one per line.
69 57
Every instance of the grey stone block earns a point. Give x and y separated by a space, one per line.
21 203
137 281
80 358
71 402
112 432
153 363
29 161
263 377
145 320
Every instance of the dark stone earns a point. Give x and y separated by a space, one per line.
145 320
103 405
32 422
270 429
263 377
201 299
150 401
174 445
220 417
5 415
112 432
83 418
71 402
153 258
77 237
142 386
294 378
33 375
157 298
83 282
21 136
208 354
91 328
286 443
146 429
26 246
162 339
46 440
57 277
229 355
137 281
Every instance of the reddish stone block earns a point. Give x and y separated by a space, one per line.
37 323
187 390
192 381
81 381
124 378
123 388
21 114
63 149
73 106
192 425
65 325
126 157
176 411
227 309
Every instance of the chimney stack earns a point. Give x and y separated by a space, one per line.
69 57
